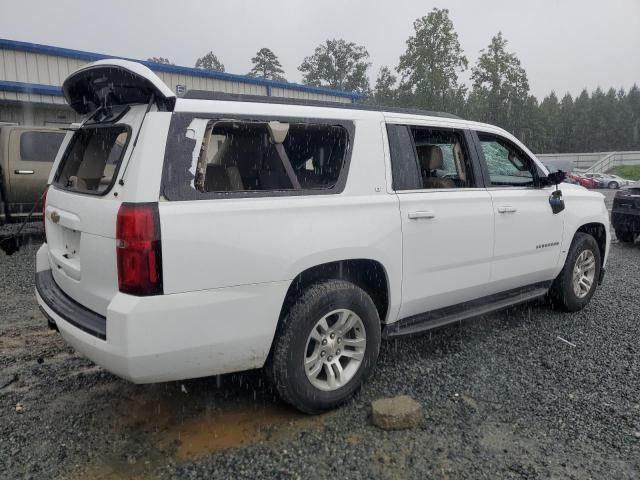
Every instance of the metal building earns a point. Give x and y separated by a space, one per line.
31 76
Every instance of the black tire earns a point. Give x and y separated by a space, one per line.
614 185
285 367
561 294
625 237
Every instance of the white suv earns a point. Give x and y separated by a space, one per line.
211 234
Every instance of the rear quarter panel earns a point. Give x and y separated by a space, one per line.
208 244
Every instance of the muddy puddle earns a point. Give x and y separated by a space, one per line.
183 422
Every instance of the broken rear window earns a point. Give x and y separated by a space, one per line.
244 156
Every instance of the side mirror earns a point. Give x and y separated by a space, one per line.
556 201
554 178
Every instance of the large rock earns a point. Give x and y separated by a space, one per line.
396 413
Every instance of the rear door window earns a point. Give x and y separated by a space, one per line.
92 159
240 157
40 146
429 158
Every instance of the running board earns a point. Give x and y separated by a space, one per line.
463 311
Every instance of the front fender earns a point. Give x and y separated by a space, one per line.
583 207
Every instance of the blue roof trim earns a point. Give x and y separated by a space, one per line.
21 87
92 57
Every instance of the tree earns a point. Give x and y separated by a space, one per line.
582 118
210 62
384 92
623 122
500 86
162 60
532 130
431 64
566 140
550 117
605 111
633 125
267 65
337 64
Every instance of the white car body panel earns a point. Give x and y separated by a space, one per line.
228 263
447 253
527 239
169 337
86 270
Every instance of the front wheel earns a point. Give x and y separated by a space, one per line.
576 284
614 185
326 347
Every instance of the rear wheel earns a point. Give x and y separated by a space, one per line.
326 347
574 287
614 185
625 237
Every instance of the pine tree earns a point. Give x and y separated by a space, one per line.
337 64
432 63
583 131
210 62
532 130
633 131
500 86
266 65
384 91
550 117
565 137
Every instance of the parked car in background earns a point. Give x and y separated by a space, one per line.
608 180
625 215
580 180
26 157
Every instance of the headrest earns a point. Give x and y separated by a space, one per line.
430 157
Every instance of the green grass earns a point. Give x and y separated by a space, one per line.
631 172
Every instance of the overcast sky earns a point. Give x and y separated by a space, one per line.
564 45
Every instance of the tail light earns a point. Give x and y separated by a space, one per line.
44 213
139 252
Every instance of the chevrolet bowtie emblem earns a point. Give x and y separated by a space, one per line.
55 217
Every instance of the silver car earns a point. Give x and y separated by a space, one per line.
608 180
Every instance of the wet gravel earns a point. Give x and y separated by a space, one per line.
503 397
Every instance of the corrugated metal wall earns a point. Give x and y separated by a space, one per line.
42 69
213 84
30 67
283 92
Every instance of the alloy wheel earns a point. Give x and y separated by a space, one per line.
335 349
584 272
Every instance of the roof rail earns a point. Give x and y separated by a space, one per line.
239 97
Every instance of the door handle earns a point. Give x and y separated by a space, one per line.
423 214
23 172
507 209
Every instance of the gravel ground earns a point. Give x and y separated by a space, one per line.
503 398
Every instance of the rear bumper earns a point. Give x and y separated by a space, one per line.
71 311
174 337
